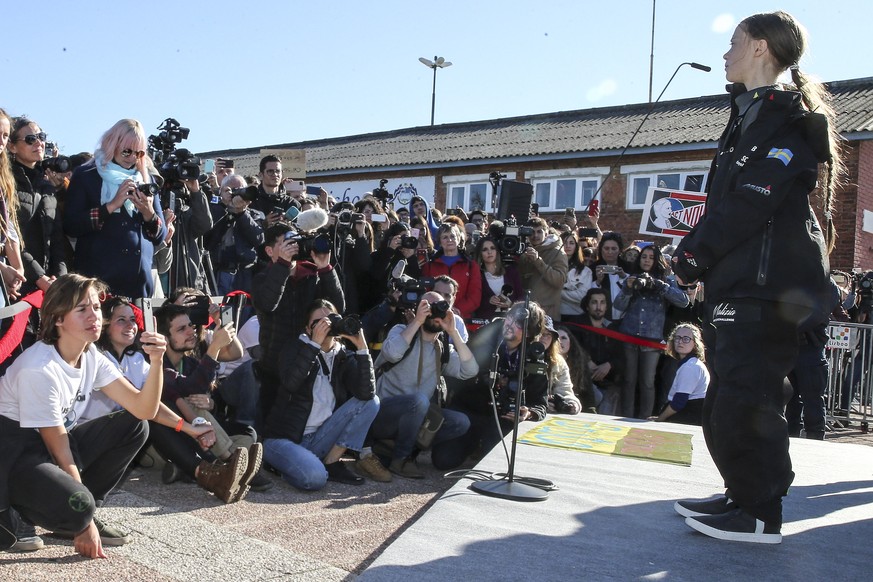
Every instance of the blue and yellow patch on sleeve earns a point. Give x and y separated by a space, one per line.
784 155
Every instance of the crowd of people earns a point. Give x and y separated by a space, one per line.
350 338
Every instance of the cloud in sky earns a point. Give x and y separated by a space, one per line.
606 88
724 23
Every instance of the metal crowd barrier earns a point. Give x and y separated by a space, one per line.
850 377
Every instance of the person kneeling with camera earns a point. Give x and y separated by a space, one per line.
325 403
412 364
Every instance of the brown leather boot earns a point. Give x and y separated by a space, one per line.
223 478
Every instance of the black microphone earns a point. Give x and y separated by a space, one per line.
700 67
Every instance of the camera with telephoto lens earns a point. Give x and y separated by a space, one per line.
348 325
307 244
642 282
535 360
59 164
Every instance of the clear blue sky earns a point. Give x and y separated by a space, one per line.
248 74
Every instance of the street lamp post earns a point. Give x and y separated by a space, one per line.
436 63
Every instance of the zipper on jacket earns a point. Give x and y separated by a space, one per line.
765 254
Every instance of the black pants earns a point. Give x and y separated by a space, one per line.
47 496
752 346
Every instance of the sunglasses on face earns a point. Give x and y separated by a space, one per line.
129 152
33 137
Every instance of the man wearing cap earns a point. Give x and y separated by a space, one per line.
235 236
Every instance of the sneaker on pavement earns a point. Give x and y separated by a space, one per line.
696 507
405 468
171 473
736 526
369 466
111 535
261 482
27 540
224 479
27 544
338 472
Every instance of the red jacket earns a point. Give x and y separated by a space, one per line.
466 273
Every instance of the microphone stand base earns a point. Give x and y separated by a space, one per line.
511 490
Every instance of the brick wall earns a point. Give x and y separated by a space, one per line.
854 247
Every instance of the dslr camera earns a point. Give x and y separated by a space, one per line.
307 244
348 325
642 282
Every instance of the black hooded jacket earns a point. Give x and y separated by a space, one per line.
759 237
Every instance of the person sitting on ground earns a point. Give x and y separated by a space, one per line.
607 357
188 390
578 362
562 399
412 364
532 404
55 470
688 389
325 405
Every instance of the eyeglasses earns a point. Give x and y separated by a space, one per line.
129 152
683 339
33 137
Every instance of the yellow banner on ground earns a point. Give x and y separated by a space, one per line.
611 439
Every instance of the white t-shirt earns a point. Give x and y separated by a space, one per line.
134 367
692 378
248 337
41 390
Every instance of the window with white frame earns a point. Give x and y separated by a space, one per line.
638 183
470 191
469 196
553 194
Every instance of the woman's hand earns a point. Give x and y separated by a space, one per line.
125 192
12 279
203 401
154 345
87 542
204 435
359 341
320 330
394 243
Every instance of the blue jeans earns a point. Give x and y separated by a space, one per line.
242 390
401 416
300 464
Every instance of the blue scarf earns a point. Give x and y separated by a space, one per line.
113 175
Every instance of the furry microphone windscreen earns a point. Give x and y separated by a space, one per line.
311 219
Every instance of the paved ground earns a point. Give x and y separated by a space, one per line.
183 533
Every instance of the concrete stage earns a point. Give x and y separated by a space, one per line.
613 518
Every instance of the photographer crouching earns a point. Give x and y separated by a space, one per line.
532 402
410 384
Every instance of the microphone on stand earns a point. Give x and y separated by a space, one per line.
697 66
